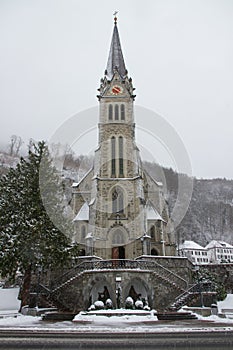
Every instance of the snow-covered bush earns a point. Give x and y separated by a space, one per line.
92 307
99 305
129 303
139 304
147 308
109 304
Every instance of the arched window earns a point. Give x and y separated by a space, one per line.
152 232
118 237
122 112
121 161
113 156
117 201
83 233
110 112
116 112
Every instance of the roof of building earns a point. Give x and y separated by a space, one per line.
191 245
115 58
218 244
76 184
83 214
152 214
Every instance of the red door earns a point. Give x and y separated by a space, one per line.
115 253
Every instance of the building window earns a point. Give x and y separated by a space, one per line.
122 112
110 112
117 201
116 112
152 232
121 161
118 237
113 156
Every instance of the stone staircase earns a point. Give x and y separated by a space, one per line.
192 292
56 291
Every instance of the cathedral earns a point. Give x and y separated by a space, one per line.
121 218
120 210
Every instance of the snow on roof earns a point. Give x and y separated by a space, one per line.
76 184
152 214
190 245
83 214
218 244
92 201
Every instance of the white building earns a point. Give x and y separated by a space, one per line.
220 252
195 252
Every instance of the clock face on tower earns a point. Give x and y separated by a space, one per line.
116 90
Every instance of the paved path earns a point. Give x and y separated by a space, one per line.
106 341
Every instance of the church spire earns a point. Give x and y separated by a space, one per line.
115 58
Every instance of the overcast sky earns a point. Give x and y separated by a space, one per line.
179 54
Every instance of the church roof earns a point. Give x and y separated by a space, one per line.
115 58
83 214
152 214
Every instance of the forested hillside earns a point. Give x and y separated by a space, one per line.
210 214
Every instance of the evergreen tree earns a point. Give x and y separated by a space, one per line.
34 229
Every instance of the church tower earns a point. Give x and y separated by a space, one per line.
120 209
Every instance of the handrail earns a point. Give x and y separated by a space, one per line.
120 264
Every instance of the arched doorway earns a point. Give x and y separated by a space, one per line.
118 243
154 252
118 252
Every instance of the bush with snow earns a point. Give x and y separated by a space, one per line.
92 307
99 305
139 304
109 304
129 303
147 308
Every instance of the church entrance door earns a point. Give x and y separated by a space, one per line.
118 253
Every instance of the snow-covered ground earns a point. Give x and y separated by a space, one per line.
102 323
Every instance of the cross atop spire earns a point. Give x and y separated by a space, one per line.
115 17
115 58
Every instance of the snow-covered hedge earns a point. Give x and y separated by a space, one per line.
129 303
139 304
99 305
109 304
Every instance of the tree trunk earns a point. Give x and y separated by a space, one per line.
25 289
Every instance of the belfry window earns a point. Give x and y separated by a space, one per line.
117 201
116 112
122 112
113 156
121 160
110 112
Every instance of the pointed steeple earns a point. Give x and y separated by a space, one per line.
115 58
